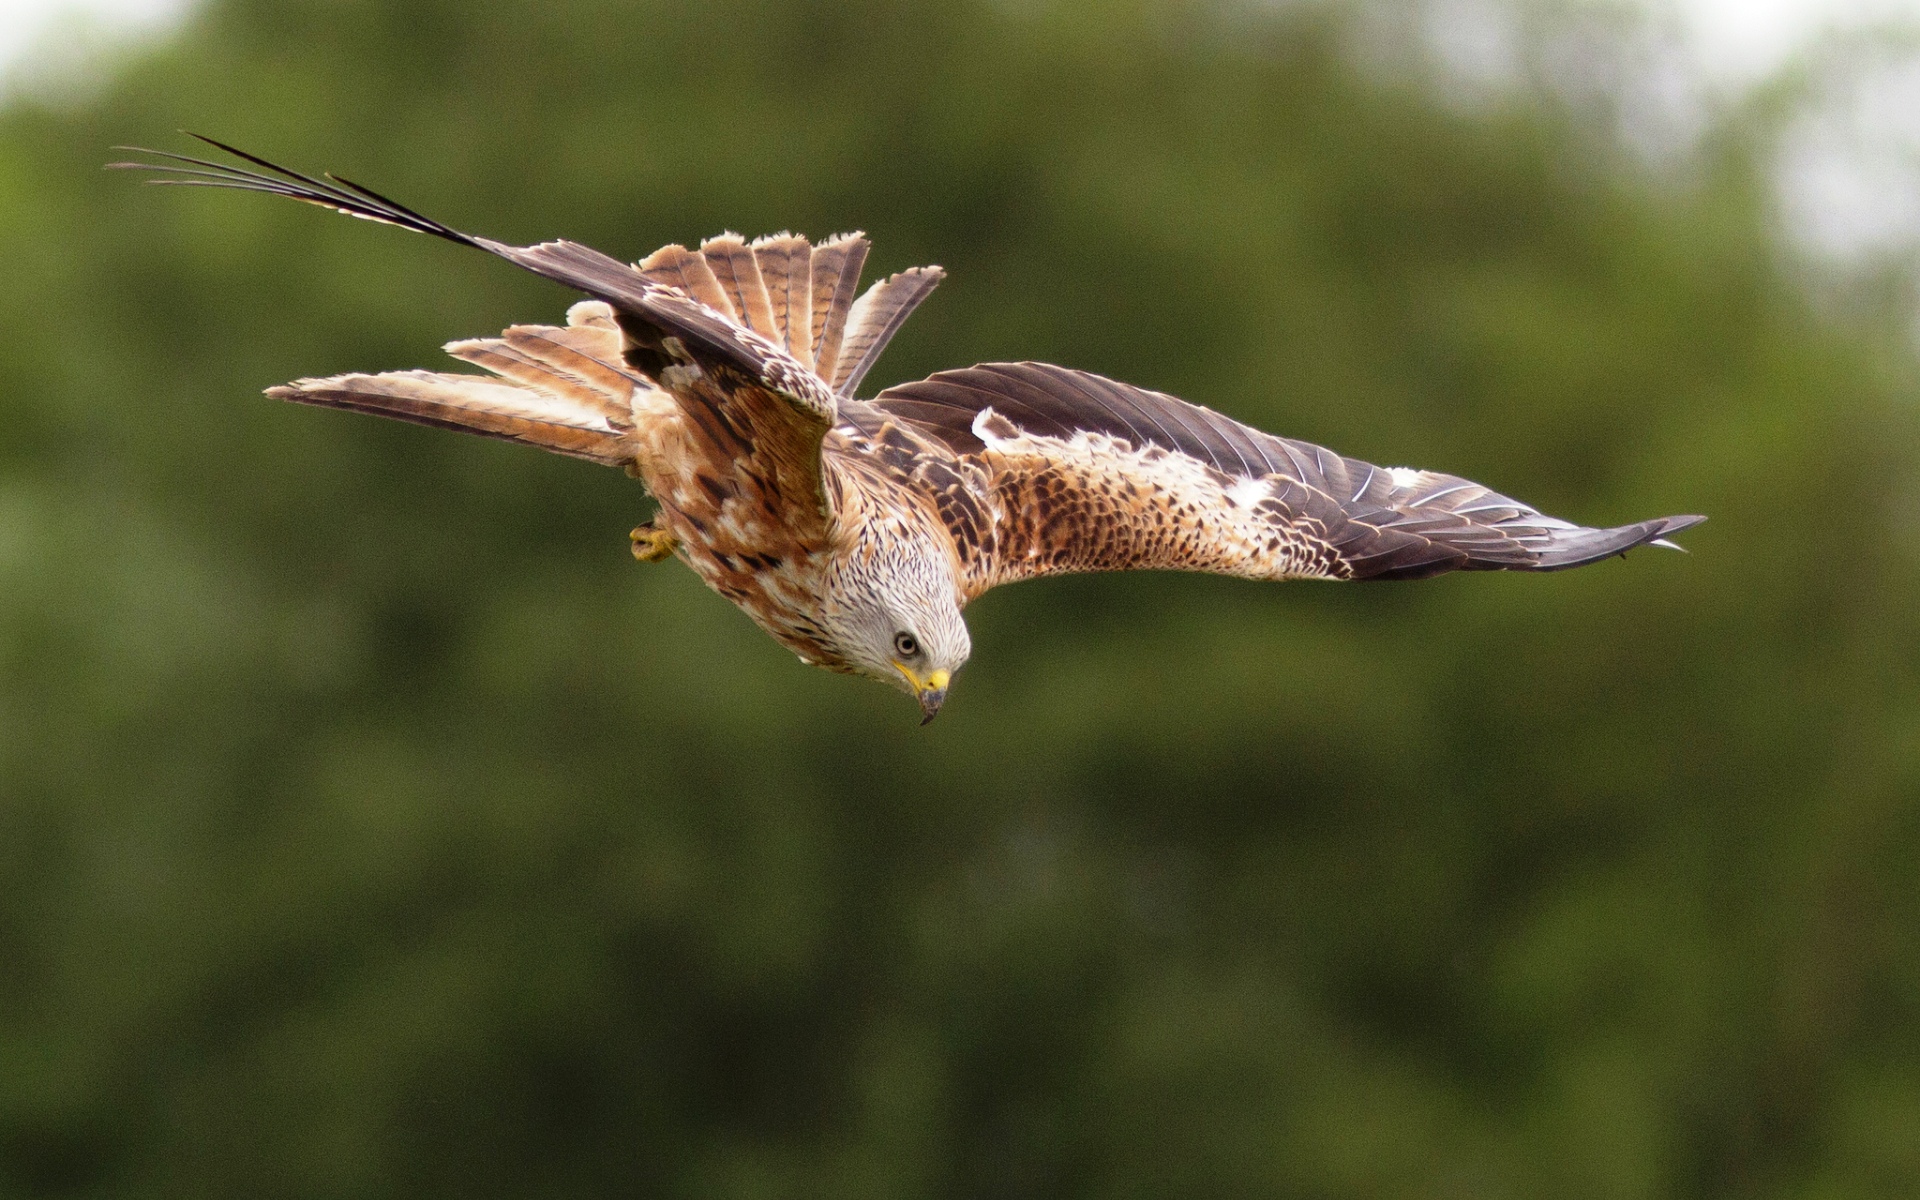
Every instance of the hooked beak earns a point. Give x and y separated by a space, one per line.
931 691
930 701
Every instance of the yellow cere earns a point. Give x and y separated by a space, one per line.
936 682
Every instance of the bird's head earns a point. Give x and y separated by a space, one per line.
893 611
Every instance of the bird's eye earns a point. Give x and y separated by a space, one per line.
905 645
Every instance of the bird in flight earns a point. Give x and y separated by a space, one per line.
855 531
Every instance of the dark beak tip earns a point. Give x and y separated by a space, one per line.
930 703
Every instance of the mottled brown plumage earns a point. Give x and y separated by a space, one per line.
855 531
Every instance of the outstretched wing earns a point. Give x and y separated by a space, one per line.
755 342
1060 471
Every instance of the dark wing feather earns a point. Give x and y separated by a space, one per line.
729 361
1083 473
649 312
715 308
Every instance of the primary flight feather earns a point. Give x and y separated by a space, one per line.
855 531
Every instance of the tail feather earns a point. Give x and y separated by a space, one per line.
734 265
786 266
799 296
837 264
676 266
875 318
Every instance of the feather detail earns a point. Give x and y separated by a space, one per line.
875 318
1093 475
786 267
580 365
738 271
472 404
678 267
837 264
667 297
564 390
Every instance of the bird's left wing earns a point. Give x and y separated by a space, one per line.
1048 471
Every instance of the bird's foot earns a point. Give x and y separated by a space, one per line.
652 544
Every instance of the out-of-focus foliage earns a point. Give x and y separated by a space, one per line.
371 825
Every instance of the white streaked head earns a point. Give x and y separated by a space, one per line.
892 608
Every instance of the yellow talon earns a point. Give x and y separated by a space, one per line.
653 544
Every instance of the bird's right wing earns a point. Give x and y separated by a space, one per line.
1046 470
755 342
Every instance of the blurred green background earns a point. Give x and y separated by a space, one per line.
371 825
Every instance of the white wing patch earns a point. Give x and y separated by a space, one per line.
1249 492
1405 477
992 428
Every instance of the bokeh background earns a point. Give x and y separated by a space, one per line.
371 825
